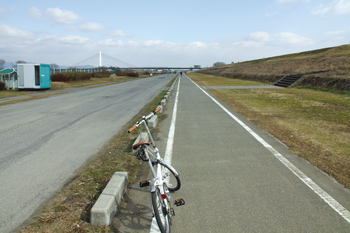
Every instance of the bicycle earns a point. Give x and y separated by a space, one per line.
165 178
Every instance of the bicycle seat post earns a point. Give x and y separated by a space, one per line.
149 133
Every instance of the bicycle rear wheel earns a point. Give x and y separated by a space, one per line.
160 211
172 180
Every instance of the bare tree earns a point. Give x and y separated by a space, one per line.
19 62
54 66
2 63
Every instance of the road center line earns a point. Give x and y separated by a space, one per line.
310 183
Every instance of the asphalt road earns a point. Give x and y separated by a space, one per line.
44 141
233 178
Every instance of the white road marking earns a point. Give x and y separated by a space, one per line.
342 211
169 149
169 146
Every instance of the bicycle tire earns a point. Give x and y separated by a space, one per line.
160 212
172 180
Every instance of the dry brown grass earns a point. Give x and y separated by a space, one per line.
92 81
211 80
314 124
62 85
334 62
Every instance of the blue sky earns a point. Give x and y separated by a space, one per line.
168 33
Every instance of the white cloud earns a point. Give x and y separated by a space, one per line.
116 33
111 43
3 11
197 44
262 38
35 13
248 44
75 40
62 16
153 42
69 50
91 27
10 32
291 38
132 43
340 35
159 44
338 7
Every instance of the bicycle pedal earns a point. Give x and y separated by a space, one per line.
179 202
144 184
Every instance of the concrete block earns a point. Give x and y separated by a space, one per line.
166 97
161 108
106 206
144 136
152 123
163 102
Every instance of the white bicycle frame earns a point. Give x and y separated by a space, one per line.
161 199
159 179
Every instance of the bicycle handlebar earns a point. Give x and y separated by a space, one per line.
132 129
157 110
144 118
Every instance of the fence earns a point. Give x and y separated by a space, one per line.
71 70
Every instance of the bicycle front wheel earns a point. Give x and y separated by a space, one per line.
160 211
172 180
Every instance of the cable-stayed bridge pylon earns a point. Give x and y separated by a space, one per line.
103 60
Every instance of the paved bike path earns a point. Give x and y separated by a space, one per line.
232 183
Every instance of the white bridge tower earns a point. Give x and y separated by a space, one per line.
100 59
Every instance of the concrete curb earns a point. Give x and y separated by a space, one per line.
152 123
163 102
143 136
106 206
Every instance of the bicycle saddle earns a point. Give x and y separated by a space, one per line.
141 142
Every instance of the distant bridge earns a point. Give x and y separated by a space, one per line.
102 60
100 69
167 68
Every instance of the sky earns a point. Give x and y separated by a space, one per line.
167 33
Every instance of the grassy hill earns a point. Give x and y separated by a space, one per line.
323 68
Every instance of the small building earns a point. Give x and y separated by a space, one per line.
9 77
34 76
